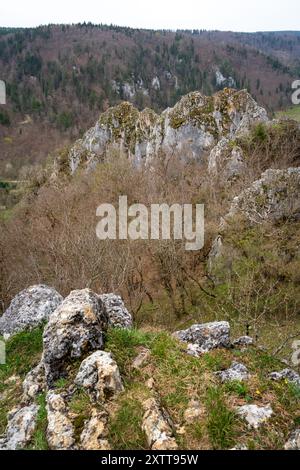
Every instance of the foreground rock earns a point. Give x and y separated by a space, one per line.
194 412
34 382
286 374
20 428
29 309
157 427
255 415
141 358
94 434
294 441
205 337
75 328
236 371
117 314
100 376
60 430
243 342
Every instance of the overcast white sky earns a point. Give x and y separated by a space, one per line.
235 15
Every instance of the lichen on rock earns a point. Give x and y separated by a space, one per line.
206 336
29 309
100 376
193 126
75 328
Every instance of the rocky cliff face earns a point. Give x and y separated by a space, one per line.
196 124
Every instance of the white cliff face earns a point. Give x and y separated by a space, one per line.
192 127
223 81
156 83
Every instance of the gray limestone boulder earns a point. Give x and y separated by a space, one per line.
206 336
75 328
29 309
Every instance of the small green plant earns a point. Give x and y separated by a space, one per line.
61 383
260 132
238 388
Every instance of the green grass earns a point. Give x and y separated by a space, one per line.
221 420
238 388
39 441
23 352
291 113
123 345
125 430
80 405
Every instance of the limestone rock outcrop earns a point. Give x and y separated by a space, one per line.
29 309
20 428
100 376
255 415
293 442
75 328
194 125
286 374
273 197
94 434
116 312
157 427
236 371
206 336
60 430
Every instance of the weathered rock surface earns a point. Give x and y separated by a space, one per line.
94 434
243 342
100 376
194 125
60 430
157 427
117 314
236 371
240 447
206 336
294 441
273 197
286 374
226 160
141 358
29 309
75 328
194 411
20 428
34 382
255 415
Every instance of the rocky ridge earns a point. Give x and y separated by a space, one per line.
195 125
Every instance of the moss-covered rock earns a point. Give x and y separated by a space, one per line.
193 126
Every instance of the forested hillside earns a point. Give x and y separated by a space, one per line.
59 78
